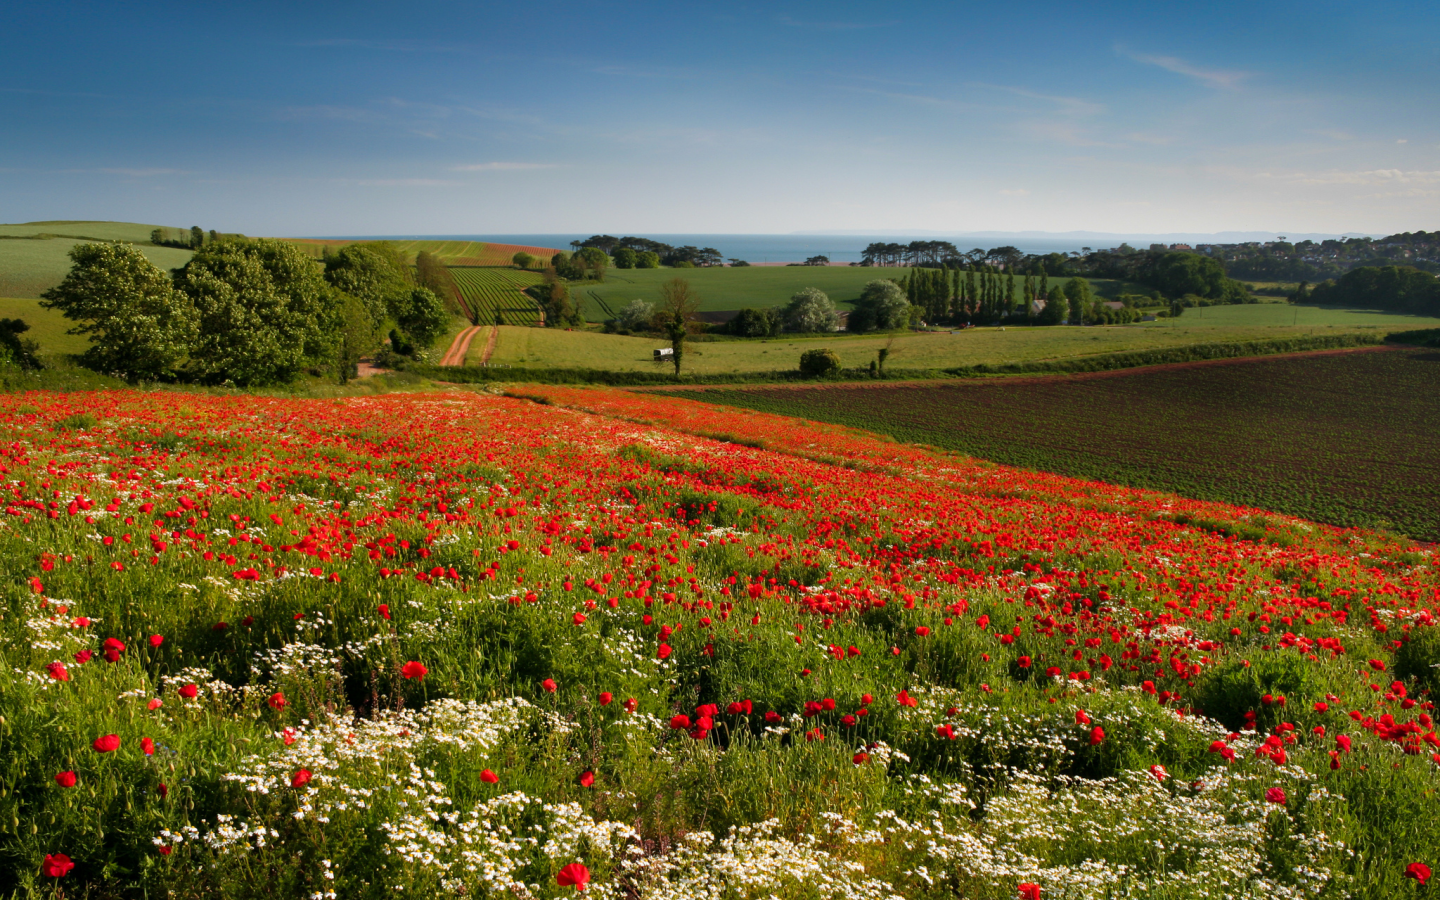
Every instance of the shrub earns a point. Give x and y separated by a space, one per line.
819 363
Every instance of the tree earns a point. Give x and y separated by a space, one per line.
1057 307
197 237
749 322
15 350
678 305
1081 300
432 273
139 325
635 315
819 363
424 318
591 261
265 312
522 260
885 305
624 258
818 261
647 259
357 336
1398 288
377 274
810 310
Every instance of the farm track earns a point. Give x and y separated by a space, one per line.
491 340
459 347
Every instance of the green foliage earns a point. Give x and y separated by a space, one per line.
265 309
625 258
139 325
1399 288
423 318
635 315
1057 308
377 274
819 363
15 350
810 310
647 259
882 305
432 273
1418 659
756 323
523 260
1180 273
358 336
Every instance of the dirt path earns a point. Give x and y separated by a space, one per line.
490 341
455 356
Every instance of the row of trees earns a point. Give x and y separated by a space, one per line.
637 249
193 239
243 312
1396 288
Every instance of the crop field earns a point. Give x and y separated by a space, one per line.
938 350
467 645
452 253
490 291
1350 438
47 327
33 256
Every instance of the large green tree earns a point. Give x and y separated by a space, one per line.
139 325
376 273
810 310
424 317
266 312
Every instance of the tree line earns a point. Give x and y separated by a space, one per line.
244 312
187 239
628 249
1394 288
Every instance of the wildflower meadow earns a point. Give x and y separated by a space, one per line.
580 642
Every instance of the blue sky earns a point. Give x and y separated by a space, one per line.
441 118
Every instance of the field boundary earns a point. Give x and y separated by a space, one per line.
1099 363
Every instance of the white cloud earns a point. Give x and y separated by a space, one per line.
1223 79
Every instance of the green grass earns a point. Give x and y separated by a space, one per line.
722 289
553 348
47 327
1348 439
34 256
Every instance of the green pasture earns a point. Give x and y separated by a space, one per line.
724 288
47 327
557 348
34 257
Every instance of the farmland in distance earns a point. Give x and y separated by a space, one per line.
1347 438
489 291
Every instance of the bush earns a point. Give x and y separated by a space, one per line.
819 363
810 310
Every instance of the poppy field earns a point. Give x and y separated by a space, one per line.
1350 438
579 642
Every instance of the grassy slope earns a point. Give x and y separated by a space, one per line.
757 286
47 327
1307 435
566 349
29 266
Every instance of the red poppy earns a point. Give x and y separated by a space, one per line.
1081 718
277 701
156 640
189 691
587 778
549 685
573 874
860 758
489 777
162 790
922 630
606 697
107 743
57 865
1029 890
300 778
663 651
414 669
148 746
1275 795
58 671
680 722
1097 735
385 610
1023 662
65 779
84 656
631 704
1343 742
154 704
1418 871
578 618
